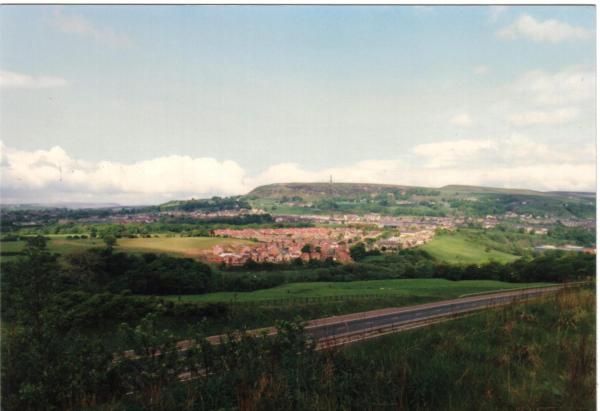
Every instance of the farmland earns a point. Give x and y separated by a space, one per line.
415 287
191 247
459 250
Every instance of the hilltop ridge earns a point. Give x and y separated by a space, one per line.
314 191
322 190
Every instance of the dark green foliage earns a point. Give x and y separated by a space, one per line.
9 253
207 205
358 252
109 240
46 364
552 266
582 210
577 235
523 356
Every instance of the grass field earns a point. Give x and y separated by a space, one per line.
445 288
458 250
191 247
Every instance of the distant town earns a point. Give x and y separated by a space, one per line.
329 237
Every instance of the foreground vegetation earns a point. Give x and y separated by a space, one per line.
523 356
60 335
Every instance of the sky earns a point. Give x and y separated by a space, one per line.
145 104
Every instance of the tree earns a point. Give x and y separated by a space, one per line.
158 362
110 240
45 364
358 251
83 269
37 242
306 248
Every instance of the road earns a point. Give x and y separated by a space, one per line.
334 331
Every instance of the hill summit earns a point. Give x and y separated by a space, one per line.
316 191
322 190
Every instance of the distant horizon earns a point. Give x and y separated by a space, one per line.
143 104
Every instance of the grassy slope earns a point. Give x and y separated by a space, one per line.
455 250
423 287
176 246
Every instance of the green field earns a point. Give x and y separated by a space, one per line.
191 247
458 250
438 287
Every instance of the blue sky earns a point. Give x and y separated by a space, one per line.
148 103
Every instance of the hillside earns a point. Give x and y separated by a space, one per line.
492 190
312 191
317 191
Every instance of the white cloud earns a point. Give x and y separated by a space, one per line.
78 25
543 117
572 85
53 176
481 69
461 120
10 79
53 171
538 98
496 11
549 30
448 153
567 177
522 151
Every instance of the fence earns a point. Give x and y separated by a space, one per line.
316 300
527 288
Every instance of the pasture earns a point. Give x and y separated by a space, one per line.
420 287
459 250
